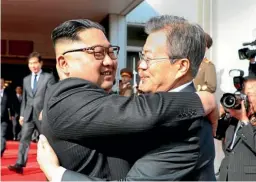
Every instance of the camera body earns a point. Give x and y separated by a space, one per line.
246 53
232 101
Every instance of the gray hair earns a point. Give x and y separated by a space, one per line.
184 39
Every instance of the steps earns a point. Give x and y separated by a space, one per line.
32 171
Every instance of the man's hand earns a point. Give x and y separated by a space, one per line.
210 108
46 157
240 114
21 120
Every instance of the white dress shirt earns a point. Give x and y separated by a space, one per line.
178 89
2 92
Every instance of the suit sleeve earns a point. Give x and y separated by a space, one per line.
210 78
97 114
51 81
23 102
248 135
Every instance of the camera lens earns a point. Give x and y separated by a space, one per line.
229 101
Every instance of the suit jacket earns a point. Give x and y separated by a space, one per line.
6 106
32 104
84 124
239 163
173 161
17 105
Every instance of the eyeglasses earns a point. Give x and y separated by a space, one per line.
150 61
99 51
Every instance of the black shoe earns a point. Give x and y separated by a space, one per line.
16 168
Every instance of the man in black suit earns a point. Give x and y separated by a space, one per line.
239 163
16 105
139 122
34 89
6 114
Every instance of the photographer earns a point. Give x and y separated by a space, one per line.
240 140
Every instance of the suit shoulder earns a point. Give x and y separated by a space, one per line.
27 77
47 74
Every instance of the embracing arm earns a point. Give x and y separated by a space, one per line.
87 113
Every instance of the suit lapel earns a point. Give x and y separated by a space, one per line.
28 84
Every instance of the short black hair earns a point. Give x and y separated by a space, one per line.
35 55
69 29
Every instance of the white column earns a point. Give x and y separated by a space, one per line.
118 36
205 18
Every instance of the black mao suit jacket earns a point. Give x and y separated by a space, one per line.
85 126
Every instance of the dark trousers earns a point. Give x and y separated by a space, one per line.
26 134
16 127
4 126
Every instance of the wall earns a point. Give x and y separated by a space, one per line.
233 22
42 42
184 8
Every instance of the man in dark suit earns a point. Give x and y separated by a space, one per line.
6 114
123 127
239 163
16 106
34 89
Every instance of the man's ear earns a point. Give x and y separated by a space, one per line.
62 65
183 67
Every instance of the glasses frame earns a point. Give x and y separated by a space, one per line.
147 61
87 49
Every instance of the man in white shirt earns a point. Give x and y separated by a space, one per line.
34 89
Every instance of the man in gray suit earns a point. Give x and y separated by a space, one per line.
169 61
34 89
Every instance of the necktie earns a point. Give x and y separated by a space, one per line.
34 84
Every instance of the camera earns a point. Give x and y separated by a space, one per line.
233 101
246 53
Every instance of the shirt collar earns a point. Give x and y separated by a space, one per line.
178 89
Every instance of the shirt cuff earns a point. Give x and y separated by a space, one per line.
58 173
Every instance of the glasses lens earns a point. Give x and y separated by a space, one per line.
99 52
113 52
